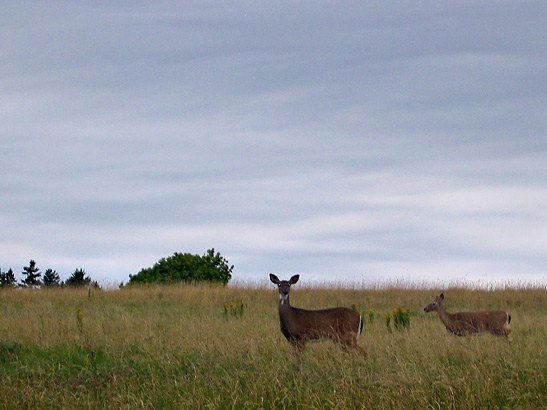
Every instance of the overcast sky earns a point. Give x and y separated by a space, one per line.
347 141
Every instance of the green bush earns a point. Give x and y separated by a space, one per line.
185 267
234 309
400 318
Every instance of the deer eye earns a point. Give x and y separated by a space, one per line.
279 285
289 285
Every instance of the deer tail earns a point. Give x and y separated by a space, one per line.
360 326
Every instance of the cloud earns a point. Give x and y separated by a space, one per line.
366 141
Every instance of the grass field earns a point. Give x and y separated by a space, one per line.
209 347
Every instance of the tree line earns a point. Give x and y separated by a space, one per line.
33 278
180 267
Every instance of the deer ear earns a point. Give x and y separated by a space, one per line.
441 297
274 278
294 279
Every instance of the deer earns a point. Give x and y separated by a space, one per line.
340 324
495 322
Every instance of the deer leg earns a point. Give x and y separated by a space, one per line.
360 350
350 341
454 332
501 332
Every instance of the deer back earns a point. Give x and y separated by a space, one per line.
334 323
478 322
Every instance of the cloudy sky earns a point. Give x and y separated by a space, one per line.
354 141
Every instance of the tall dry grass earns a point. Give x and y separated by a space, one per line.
180 347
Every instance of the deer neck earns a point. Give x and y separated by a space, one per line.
286 311
284 303
445 317
286 317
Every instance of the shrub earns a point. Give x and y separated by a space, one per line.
234 309
185 267
400 318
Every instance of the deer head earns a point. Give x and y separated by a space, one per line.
284 286
435 305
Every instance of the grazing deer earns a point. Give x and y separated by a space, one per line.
340 324
471 323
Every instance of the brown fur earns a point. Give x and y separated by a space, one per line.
339 324
471 323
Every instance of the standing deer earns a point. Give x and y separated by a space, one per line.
471 323
340 324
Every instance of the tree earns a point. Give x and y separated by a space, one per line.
51 278
185 267
7 279
32 274
78 279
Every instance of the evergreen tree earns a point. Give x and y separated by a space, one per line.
7 279
51 278
78 279
32 274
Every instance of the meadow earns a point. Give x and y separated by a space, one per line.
214 347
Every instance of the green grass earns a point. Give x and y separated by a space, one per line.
176 347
